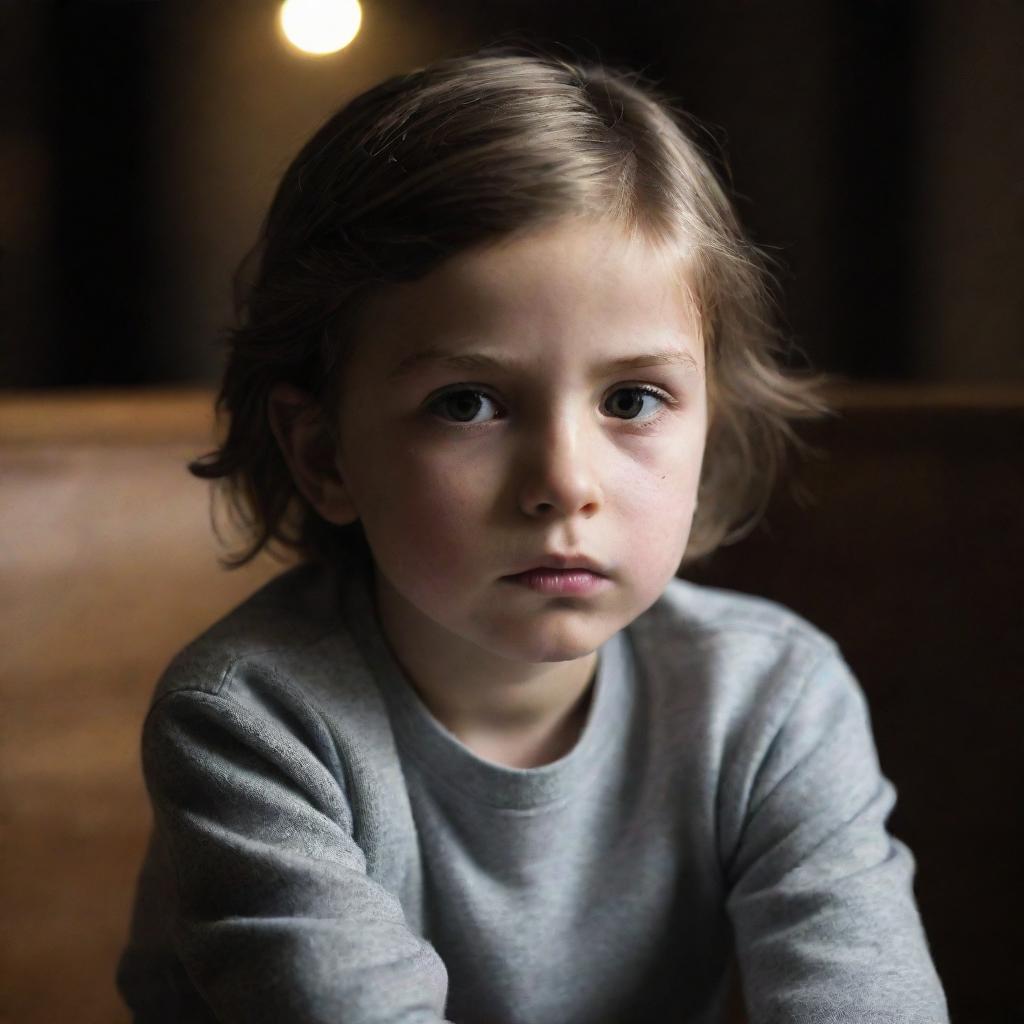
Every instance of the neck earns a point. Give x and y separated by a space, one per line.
514 712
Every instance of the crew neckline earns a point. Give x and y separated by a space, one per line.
445 758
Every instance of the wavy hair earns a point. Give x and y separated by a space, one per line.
464 151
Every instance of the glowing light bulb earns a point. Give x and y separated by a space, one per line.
320 26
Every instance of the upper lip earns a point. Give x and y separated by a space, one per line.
560 561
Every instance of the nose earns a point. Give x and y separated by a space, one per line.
559 477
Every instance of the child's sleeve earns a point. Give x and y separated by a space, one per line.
820 894
277 918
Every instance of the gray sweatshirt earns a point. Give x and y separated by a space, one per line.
324 850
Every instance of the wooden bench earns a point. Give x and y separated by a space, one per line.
911 555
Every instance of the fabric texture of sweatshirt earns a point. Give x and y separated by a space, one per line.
325 851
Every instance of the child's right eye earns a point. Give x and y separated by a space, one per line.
463 403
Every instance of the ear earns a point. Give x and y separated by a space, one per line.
309 450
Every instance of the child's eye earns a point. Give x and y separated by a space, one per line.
465 403
643 391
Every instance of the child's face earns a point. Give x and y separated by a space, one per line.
556 453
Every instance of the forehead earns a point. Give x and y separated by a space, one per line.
575 288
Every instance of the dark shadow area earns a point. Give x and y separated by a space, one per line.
906 548
873 150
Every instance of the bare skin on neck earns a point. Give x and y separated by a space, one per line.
517 715
546 743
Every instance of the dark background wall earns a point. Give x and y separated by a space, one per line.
875 149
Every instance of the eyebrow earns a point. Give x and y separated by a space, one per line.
478 361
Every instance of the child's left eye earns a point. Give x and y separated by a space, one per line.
467 401
645 390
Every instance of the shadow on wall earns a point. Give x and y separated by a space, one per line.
874 148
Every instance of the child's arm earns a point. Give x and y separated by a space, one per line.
821 894
278 919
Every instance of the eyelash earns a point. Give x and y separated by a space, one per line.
642 425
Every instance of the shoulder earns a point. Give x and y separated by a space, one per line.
694 614
734 655
280 673
280 688
283 622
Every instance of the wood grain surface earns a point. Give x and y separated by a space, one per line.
906 546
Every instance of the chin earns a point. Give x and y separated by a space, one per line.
555 645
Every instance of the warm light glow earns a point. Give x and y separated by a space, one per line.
320 26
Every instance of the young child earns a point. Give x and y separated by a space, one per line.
481 757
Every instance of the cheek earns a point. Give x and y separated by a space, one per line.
424 507
660 483
658 497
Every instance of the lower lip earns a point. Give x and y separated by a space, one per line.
560 581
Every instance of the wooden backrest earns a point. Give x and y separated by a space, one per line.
107 567
910 555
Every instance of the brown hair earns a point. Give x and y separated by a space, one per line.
468 150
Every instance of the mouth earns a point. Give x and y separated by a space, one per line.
560 582
562 577
558 563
